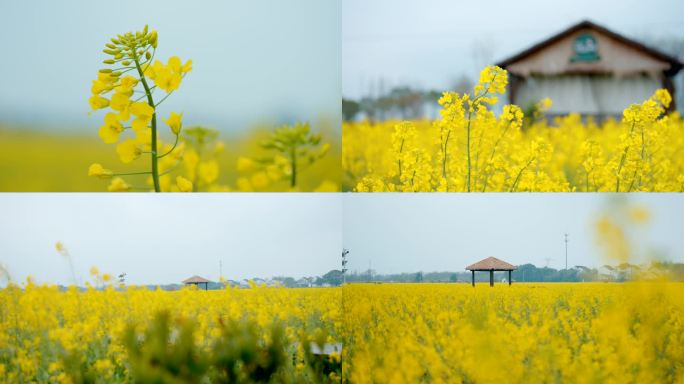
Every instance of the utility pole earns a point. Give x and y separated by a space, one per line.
345 252
566 251
221 270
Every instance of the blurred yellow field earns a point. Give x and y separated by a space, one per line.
526 333
392 333
42 161
90 328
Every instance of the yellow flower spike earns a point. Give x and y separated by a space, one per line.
120 102
112 128
183 184
94 271
175 64
98 102
126 85
175 122
187 67
208 171
143 115
128 150
97 170
118 185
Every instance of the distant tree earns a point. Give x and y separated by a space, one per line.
350 109
334 277
419 277
454 277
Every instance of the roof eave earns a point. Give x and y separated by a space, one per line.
675 64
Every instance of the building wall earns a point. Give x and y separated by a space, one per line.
587 94
616 58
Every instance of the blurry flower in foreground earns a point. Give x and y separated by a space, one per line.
98 170
184 185
639 214
61 249
118 185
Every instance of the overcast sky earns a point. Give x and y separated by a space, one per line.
447 232
167 238
254 60
430 43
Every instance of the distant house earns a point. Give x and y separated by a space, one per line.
590 70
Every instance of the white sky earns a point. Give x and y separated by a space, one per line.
446 232
430 43
253 60
160 239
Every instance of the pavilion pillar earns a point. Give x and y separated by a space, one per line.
473 277
509 278
491 277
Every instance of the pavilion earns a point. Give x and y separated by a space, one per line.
197 280
492 264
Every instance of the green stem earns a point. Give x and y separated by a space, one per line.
468 151
622 160
401 149
517 178
170 150
444 159
150 102
293 159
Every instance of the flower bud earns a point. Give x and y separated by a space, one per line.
105 70
153 39
109 61
148 55
145 30
119 56
125 62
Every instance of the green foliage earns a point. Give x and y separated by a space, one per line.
168 352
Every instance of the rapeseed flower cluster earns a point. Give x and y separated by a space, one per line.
126 88
471 149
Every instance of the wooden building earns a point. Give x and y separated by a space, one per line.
590 70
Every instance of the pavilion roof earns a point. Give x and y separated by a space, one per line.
491 264
195 280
